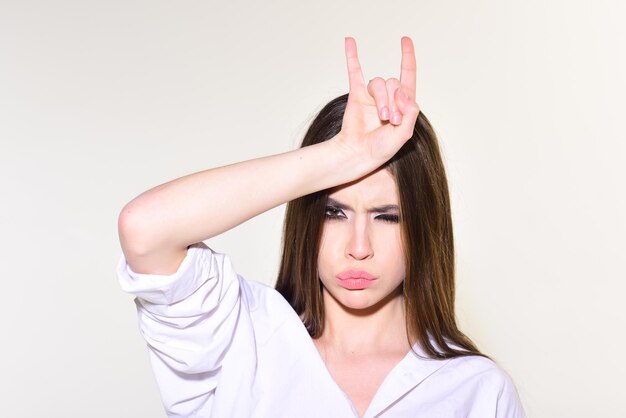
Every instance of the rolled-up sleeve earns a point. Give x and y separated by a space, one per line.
188 320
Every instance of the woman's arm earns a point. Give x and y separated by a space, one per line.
157 227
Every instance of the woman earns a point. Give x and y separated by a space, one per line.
365 324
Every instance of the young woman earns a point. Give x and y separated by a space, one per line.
363 321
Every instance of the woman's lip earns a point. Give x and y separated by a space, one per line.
355 274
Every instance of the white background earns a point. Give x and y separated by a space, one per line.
102 100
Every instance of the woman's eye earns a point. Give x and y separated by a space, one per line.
334 213
389 218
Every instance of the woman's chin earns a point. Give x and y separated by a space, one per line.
362 301
357 303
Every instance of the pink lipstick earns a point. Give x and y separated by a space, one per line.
355 279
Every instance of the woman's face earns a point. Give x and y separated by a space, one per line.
361 258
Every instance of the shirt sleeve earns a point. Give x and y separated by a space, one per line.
509 404
188 320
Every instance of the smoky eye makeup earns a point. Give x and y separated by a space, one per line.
333 212
385 213
387 217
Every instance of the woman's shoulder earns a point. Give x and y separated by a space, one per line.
485 382
464 367
460 368
479 369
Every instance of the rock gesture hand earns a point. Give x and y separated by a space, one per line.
380 116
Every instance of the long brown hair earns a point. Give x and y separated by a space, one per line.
426 228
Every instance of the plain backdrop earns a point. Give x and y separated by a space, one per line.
100 101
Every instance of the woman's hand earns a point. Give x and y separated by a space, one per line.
381 115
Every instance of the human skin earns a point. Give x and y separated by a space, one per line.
158 226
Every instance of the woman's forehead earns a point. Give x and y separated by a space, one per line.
377 188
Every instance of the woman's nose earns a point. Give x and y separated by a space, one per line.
359 245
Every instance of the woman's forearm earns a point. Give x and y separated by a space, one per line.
157 226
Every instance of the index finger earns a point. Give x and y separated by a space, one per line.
408 67
355 76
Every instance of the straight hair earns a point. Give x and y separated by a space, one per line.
426 231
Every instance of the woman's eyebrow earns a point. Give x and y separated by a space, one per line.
337 204
376 209
384 208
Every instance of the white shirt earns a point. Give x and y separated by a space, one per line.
221 346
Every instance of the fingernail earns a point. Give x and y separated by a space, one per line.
384 113
396 118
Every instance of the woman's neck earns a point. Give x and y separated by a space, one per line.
379 328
